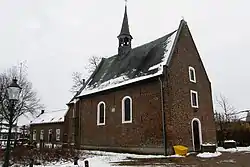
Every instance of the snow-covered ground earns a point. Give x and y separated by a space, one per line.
209 155
111 159
101 159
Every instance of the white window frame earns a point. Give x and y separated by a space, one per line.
123 109
191 69
98 113
200 131
50 132
42 134
34 135
191 97
58 134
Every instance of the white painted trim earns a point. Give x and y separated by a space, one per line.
200 131
34 135
191 98
123 109
98 113
191 69
58 134
42 134
50 132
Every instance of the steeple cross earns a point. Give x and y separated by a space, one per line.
126 2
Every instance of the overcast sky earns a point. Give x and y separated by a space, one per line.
56 38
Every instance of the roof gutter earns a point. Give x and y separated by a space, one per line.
164 132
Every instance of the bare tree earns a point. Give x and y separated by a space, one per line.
78 79
228 111
28 100
93 63
78 82
10 110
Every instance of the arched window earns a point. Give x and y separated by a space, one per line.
127 109
101 113
192 76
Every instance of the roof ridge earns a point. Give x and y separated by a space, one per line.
147 43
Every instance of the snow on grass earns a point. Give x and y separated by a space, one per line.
116 157
101 159
229 141
175 156
238 149
208 155
208 144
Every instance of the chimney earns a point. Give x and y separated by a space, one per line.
42 111
83 81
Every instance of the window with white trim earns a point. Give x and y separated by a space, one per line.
127 109
41 134
57 134
34 135
194 99
192 76
50 135
101 113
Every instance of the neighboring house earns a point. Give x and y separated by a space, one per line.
48 127
4 129
20 129
145 99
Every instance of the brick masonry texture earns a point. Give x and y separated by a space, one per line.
146 129
178 104
45 128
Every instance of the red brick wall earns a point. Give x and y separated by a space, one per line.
146 129
179 110
45 128
68 125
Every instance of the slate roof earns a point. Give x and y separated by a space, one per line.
140 63
50 117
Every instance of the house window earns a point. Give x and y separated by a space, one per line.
101 113
34 135
194 99
57 134
50 135
127 109
41 134
192 76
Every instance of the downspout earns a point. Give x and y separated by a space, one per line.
79 125
164 133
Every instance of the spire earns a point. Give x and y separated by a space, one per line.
124 36
125 26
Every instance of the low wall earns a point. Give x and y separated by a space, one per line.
136 150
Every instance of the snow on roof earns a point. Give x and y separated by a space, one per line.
25 119
13 130
50 117
165 43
